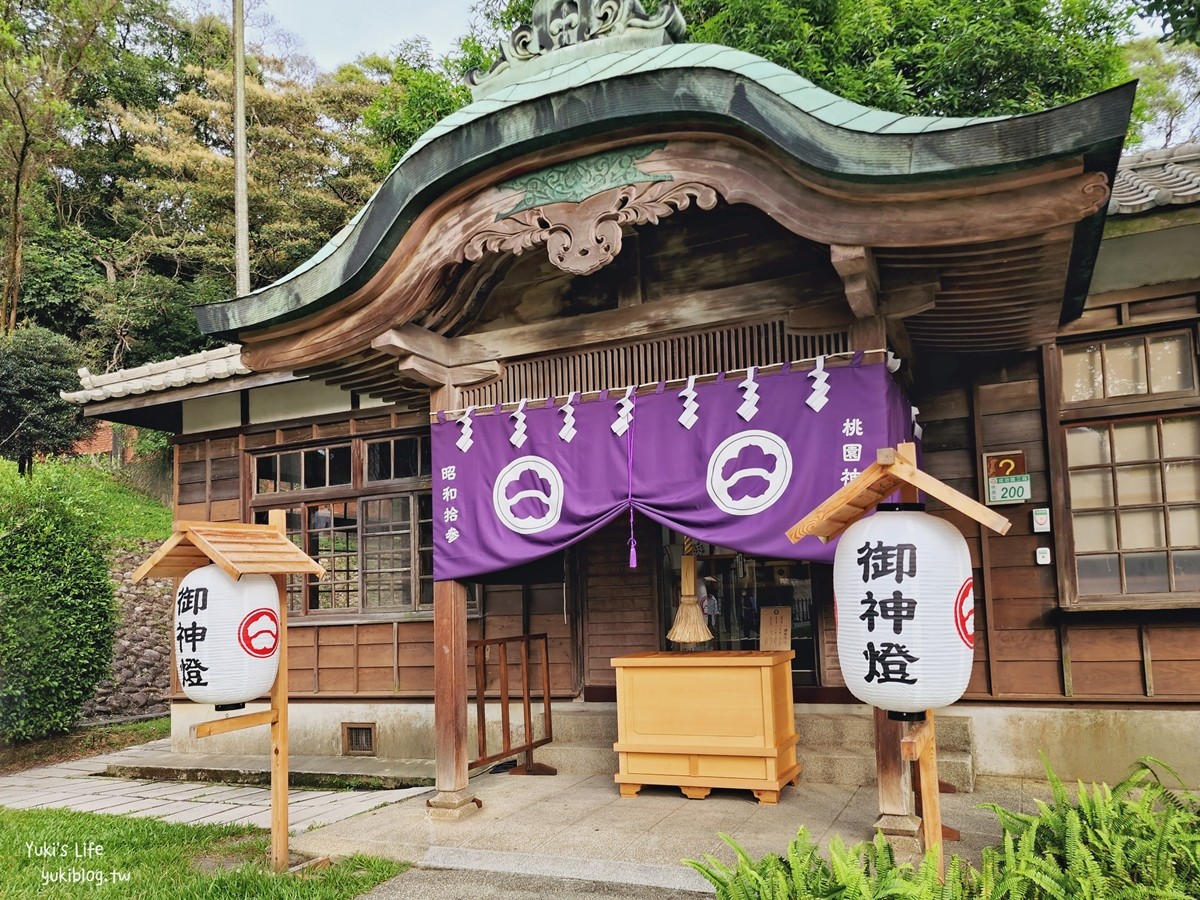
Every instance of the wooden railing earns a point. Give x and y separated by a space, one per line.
501 662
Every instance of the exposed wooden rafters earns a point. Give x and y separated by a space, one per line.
856 267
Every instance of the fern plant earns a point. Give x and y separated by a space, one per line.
1138 839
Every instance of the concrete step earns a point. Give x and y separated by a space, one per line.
579 722
821 766
579 757
839 766
853 731
834 766
835 748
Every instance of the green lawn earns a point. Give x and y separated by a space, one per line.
58 853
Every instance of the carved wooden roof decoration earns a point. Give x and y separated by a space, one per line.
954 233
583 28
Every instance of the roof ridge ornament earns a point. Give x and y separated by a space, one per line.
577 29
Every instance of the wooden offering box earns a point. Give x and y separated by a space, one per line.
721 718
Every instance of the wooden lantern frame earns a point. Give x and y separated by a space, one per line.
246 550
898 744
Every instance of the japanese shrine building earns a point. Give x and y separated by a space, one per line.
619 210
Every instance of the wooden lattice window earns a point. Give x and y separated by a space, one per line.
1136 366
1135 507
308 469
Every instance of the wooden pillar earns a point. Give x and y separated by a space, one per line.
453 799
894 773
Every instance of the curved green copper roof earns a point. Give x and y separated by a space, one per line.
664 87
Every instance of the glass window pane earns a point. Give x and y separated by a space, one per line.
379 461
1088 446
406 458
314 468
425 506
1082 374
1124 368
1186 564
1146 573
1170 363
1135 440
1091 488
1183 481
1138 484
400 510
1142 529
339 465
426 457
264 474
289 471
1098 575
320 518
1185 526
1181 437
1095 531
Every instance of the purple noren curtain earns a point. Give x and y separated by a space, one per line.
733 463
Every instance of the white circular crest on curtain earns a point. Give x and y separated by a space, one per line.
748 472
528 495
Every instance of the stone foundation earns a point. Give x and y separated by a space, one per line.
141 671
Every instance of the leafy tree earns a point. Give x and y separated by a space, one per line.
1168 104
45 47
416 92
35 364
926 57
1180 18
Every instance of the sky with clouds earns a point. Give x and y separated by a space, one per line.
333 32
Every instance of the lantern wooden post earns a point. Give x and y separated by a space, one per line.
277 520
247 550
897 743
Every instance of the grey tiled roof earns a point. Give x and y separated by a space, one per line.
208 365
1156 178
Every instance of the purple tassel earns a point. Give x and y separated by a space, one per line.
632 553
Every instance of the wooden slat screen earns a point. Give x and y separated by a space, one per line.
657 359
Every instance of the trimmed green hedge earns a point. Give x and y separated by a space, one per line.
57 611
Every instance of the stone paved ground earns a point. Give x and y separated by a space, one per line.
79 785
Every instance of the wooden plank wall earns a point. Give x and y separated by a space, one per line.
620 604
365 661
1026 648
208 480
504 616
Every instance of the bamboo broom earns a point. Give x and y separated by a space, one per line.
689 626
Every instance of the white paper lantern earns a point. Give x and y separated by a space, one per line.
905 610
226 636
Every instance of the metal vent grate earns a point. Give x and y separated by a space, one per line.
358 739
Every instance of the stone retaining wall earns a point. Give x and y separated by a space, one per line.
141 676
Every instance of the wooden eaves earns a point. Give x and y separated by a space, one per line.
237 549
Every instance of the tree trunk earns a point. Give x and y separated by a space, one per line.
16 237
